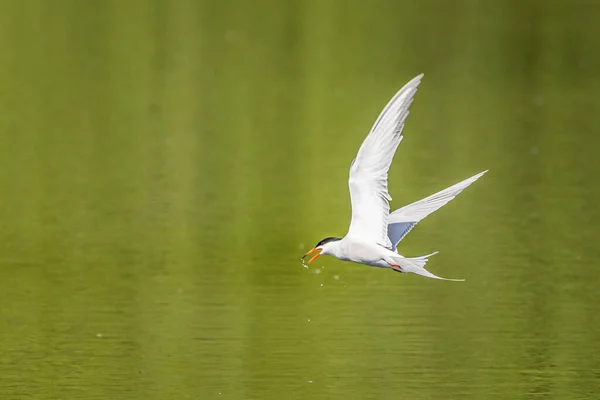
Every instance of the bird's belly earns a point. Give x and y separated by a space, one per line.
378 264
369 262
363 253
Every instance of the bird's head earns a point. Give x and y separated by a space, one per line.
324 247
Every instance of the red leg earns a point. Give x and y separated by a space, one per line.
396 268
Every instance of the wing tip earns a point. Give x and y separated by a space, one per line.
479 175
473 178
414 82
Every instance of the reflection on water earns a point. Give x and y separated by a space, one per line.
164 166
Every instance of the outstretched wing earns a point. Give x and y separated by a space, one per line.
401 221
369 171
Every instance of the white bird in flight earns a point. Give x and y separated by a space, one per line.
374 232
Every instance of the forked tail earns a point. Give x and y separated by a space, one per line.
416 265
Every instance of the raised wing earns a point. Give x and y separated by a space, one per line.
401 221
369 170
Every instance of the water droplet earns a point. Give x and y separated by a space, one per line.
309 320
98 335
231 36
321 285
534 150
336 277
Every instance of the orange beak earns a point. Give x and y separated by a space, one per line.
315 256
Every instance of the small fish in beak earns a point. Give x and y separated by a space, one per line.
313 258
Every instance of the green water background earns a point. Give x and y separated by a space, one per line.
164 165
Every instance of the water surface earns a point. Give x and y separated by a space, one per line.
164 165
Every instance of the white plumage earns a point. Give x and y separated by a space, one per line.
401 221
374 233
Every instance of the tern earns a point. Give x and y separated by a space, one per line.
374 232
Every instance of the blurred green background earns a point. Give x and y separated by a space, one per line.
164 165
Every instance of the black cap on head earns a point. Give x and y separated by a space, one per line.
327 240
